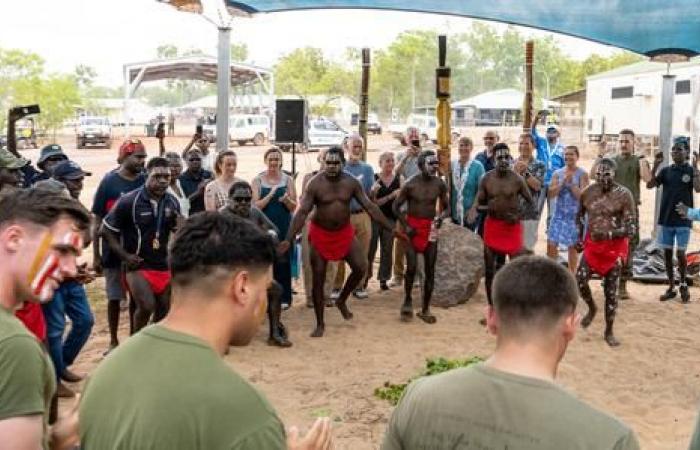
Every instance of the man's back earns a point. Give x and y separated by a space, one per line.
480 407
168 390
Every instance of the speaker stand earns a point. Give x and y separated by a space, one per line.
294 162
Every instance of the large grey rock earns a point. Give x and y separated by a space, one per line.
459 267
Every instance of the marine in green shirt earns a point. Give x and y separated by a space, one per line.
511 400
695 440
40 239
168 386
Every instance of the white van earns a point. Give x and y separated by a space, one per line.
243 128
253 128
325 133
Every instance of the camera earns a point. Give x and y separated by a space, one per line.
415 143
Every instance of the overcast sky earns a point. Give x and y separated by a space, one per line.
106 34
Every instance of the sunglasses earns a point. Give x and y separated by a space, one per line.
242 199
434 163
194 159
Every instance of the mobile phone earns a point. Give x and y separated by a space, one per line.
415 143
199 129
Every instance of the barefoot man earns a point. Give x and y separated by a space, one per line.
330 233
421 193
498 194
610 209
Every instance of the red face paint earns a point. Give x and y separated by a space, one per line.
46 265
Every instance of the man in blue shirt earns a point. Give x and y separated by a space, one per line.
485 157
359 218
550 151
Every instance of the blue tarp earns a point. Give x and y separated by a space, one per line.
649 27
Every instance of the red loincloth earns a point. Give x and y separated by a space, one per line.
332 245
602 256
422 227
503 237
31 315
158 279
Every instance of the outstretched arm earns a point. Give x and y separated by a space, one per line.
658 160
371 207
305 207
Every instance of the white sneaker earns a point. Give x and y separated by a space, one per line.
335 294
395 283
361 294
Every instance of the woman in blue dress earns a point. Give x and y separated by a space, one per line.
274 194
565 188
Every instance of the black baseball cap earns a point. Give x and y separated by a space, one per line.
69 170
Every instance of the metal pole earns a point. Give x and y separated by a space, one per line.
668 89
223 81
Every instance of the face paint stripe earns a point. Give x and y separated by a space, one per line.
40 255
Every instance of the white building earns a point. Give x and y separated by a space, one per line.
630 97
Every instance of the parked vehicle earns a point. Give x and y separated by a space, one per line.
93 130
325 133
243 128
373 124
427 128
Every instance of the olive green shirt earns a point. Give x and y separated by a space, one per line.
27 380
482 408
165 390
627 174
695 440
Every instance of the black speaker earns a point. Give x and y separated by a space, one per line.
290 121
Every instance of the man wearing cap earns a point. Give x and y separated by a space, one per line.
194 179
129 176
50 156
70 299
11 170
551 152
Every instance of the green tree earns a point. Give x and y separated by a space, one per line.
300 72
58 95
239 52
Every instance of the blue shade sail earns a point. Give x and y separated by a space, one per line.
649 27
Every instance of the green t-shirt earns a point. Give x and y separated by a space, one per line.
483 408
627 174
27 380
167 390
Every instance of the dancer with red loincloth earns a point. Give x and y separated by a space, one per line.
330 233
422 193
604 239
138 230
499 194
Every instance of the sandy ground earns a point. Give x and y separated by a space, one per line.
652 381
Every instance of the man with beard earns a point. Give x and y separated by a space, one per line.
41 235
138 229
422 192
610 211
499 196
239 205
331 234
128 177
169 387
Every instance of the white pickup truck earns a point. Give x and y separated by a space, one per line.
93 130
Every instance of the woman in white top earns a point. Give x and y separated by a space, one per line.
216 192
175 188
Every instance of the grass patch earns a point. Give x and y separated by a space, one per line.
393 392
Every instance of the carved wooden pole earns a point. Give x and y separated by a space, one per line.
364 101
527 103
443 110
